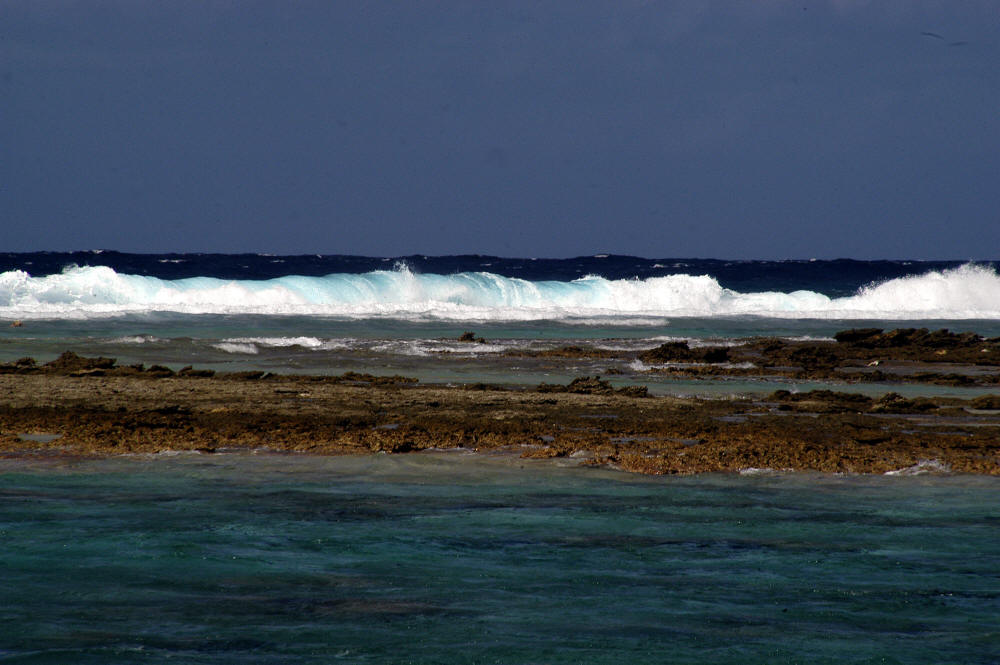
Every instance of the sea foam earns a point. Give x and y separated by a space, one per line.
966 292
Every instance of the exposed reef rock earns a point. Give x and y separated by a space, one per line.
986 402
681 352
96 409
827 401
71 362
586 385
874 338
860 355
470 337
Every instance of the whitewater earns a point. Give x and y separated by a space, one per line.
964 292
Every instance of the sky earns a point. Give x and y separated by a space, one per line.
747 129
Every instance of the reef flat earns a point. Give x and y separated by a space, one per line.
77 406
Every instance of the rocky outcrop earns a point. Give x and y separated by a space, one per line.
681 352
915 338
586 385
71 362
986 402
116 414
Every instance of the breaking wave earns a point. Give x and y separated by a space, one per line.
966 292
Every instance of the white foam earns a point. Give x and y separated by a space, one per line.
967 292
135 339
469 349
428 347
405 348
237 347
306 342
922 467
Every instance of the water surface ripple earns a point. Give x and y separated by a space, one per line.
452 558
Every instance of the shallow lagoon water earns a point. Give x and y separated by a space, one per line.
460 558
429 351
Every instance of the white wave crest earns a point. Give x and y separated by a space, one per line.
967 292
306 342
237 347
311 343
136 339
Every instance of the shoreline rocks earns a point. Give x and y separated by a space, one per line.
822 431
97 407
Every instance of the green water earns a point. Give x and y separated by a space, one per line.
453 558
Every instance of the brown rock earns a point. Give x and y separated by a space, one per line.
668 352
715 354
896 403
856 335
71 362
589 386
195 373
986 402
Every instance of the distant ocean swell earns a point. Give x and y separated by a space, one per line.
965 292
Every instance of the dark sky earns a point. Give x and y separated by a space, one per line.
742 129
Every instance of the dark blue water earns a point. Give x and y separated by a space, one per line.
438 559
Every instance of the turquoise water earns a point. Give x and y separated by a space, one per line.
454 558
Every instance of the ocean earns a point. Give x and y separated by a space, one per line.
404 315
462 558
